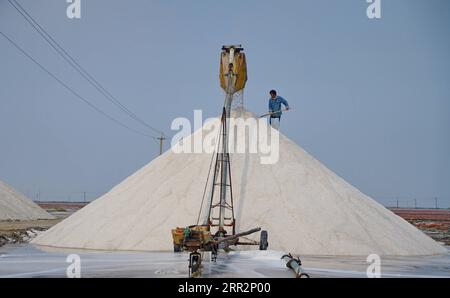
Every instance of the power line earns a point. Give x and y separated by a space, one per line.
83 72
71 90
66 56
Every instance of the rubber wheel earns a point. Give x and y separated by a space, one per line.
195 263
304 275
263 244
176 248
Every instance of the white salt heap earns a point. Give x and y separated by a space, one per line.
15 206
306 209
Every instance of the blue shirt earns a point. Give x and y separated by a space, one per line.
275 106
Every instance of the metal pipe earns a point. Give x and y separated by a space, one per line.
295 265
234 237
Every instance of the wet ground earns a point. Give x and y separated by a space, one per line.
25 260
12 232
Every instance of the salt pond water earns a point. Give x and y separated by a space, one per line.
29 261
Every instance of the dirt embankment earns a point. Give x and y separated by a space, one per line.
15 231
23 231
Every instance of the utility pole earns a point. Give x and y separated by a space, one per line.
84 196
161 140
436 199
415 203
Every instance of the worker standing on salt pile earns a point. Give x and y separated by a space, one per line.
275 109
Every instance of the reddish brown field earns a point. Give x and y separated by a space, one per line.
61 205
424 214
434 222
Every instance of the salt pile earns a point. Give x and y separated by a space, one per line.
305 207
15 206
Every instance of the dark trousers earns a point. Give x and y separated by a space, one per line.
275 122
270 119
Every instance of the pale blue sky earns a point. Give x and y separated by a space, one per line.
371 98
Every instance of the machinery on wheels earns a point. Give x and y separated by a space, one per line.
218 230
197 239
